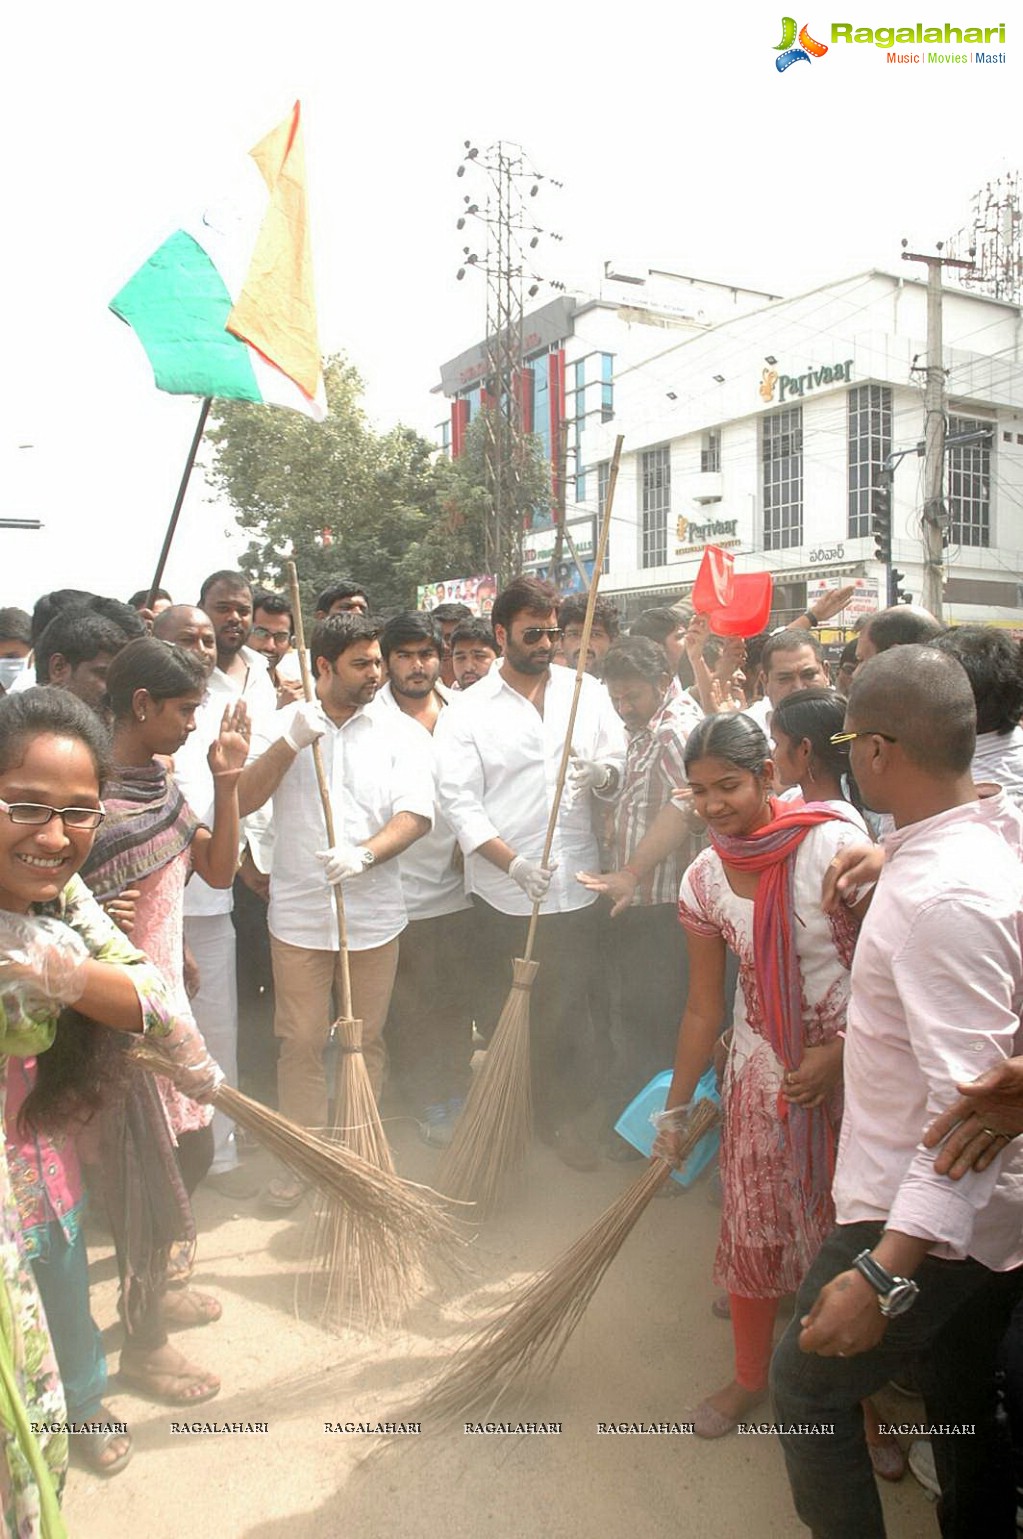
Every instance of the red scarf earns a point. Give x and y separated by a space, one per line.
770 851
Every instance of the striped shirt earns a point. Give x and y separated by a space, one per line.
654 768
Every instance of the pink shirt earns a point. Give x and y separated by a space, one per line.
937 987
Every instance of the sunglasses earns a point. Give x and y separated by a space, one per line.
37 815
533 633
838 738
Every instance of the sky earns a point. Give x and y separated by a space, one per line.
678 142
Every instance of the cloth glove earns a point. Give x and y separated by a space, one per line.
532 878
586 775
342 862
189 1064
42 958
306 726
671 1126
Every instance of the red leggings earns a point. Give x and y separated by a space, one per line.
753 1333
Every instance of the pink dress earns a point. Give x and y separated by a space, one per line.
159 932
768 1235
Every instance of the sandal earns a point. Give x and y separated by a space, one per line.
284 1192
187 1306
887 1459
88 1448
175 1381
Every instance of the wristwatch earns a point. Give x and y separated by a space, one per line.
368 858
813 619
894 1294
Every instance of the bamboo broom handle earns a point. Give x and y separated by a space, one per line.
345 1002
566 752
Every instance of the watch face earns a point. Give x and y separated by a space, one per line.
901 1298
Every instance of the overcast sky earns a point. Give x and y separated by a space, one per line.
678 142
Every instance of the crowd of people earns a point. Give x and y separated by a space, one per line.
815 886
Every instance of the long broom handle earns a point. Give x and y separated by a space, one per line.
566 752
345 1002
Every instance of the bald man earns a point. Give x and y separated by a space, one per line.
918 1266
189 627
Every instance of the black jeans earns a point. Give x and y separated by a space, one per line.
561 1034
429 1025
952 1333
649 953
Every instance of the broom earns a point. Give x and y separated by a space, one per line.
366 1274
409 1215
491 1137
524 1343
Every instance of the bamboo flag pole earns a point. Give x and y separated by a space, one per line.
492 1135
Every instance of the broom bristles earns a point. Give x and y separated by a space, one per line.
366 1277
486 1156
398 1207
524 1343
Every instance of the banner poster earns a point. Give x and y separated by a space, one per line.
478 593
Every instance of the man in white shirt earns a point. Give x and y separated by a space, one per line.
381 788
235 672
499 751
429 1028
918 1266
791 660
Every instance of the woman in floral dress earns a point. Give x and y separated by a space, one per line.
58 950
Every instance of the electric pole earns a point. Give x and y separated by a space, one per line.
933 521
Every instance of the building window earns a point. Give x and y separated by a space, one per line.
603 478
607 389
710 452
655 466
781 454
870 444
969 483
579 411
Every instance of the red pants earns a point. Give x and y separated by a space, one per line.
753 1333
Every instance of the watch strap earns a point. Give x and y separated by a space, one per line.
879 1278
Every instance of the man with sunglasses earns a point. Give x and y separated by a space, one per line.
499 750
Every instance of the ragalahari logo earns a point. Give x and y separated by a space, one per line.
808 46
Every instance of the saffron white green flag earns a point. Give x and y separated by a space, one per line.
225 306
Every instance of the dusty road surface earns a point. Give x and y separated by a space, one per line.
646 1352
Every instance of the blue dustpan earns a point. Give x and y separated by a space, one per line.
635 1127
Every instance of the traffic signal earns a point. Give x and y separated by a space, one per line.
881 510
899 595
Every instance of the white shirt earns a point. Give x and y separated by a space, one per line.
998 757
937 987
431 882
375 766
194 776
498 768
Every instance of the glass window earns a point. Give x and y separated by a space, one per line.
607 397
870 444
781 453
969 483
655 466
710 452
603 477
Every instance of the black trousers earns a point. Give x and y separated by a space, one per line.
649 954
561 1032
429 1025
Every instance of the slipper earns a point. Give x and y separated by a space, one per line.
721 1308
187 1306
888 1459
88 1448
284 1192
709 1422
170 1384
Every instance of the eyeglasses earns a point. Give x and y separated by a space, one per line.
262 634
37 815
838 738
532 633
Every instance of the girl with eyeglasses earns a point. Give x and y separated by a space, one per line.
757 891
149 844
66 973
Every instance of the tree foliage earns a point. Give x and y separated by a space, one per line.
342 500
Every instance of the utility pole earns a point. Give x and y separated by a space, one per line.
933 520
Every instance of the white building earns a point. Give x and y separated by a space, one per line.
761 425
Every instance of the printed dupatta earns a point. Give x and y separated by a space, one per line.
770 852
148 824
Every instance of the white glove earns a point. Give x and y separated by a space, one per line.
42 958
587 775
189 1064
533 879
306 726
343 861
